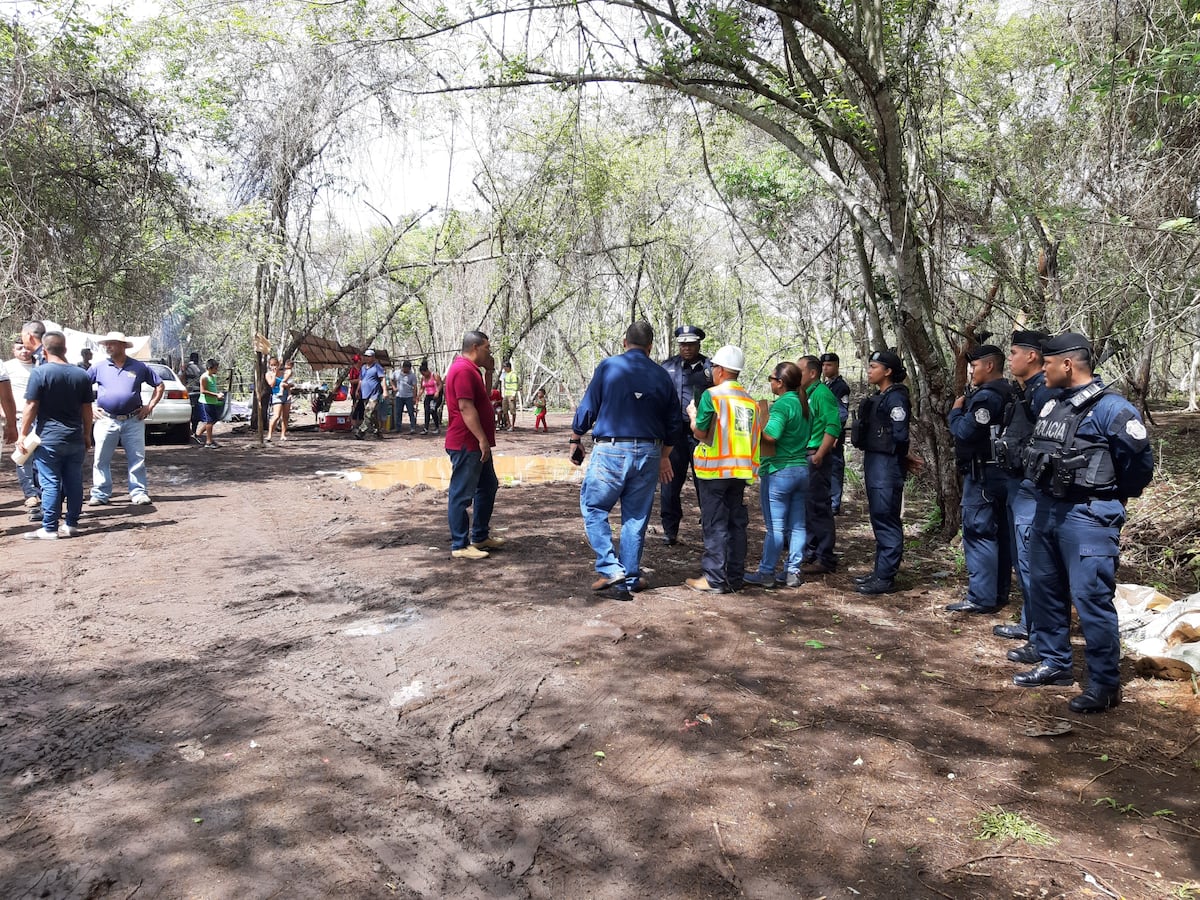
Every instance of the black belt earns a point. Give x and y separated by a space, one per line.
624 440
105 414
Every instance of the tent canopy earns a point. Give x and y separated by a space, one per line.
322 353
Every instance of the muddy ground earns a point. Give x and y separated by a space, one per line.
278 684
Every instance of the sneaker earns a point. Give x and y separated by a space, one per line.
35 514
96 501
42 535
469 553
31 502
266 440
490 544
424 431
143 499
65 531
794 579
759 579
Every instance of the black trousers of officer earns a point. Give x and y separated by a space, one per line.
670 506
818 513
987 536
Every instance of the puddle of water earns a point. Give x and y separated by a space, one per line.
435 473
369 627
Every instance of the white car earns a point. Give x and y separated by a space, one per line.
173 415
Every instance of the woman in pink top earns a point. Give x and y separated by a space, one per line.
431 385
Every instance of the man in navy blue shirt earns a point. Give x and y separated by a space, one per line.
121 418
633 412
373 387
58 402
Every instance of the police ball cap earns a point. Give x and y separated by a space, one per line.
729 357
892 361
830 357
1031 339
687 334
984 350
1066 343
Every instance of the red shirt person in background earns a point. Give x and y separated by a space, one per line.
470 436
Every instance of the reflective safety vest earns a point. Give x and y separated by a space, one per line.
733 452
508 383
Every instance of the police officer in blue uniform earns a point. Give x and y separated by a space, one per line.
880 430
691 373
1030 394
830 364
1089 454
976 416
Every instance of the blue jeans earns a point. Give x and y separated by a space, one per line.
403 403
130 434
60 469
783 496
625 474
473 483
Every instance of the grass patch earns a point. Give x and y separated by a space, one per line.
997 823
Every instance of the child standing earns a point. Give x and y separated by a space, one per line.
539 409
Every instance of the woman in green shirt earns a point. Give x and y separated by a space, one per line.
783 486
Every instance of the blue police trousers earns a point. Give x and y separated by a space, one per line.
884 477
987 538
1073 552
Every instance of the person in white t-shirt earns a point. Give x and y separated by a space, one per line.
15 372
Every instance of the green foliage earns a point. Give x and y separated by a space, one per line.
996 823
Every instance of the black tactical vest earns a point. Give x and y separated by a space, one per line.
969 454
1015 432
1065 465
872 428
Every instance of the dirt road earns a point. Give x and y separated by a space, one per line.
278 684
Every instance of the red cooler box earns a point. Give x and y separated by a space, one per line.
333 421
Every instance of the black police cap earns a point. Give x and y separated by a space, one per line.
687 333
892 361
983 350
1066 343
830 357
1031 339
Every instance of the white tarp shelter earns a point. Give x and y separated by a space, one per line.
78 340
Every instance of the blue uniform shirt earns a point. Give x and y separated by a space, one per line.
120 386
972 423
895 406
1114 417
691 379
841 391
1037 392
631 396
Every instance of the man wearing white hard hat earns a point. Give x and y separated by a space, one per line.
120 418
726 423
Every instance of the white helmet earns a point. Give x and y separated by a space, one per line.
729 357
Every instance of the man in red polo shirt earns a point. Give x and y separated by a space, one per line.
470 436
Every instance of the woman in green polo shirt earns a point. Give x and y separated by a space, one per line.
783 487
